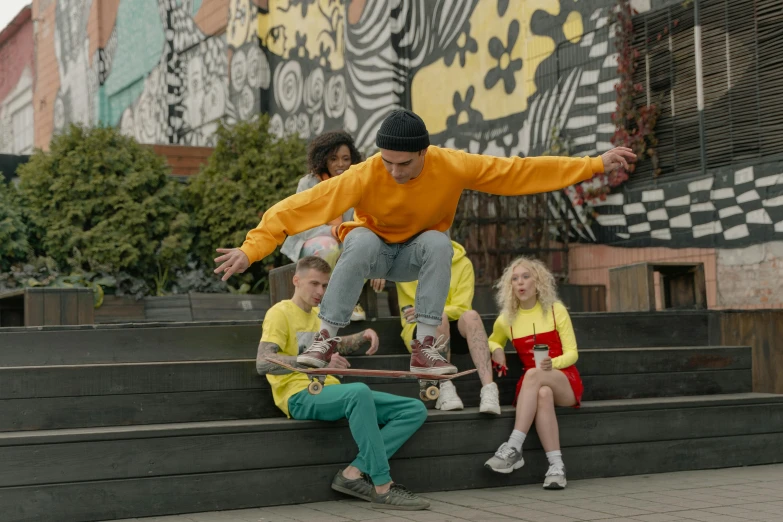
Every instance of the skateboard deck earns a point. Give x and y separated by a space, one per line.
428 389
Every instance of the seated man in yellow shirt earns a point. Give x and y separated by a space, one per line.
459 318
289 327
404 199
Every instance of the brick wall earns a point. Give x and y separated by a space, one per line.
752 277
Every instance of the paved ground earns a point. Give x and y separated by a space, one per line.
727 495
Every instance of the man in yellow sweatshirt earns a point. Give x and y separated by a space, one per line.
459 320
404 199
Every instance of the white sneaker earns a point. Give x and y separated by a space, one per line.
358 314
555 477
448 399
490 403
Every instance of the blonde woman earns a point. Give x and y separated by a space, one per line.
531 314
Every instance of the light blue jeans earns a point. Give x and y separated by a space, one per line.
426 258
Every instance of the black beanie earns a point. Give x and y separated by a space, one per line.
403 130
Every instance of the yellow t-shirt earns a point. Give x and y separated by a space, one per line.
523 327
292 329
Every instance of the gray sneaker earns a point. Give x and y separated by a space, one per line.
362 487
505 460
555 477
399 497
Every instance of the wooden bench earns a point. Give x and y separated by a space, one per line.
281 286
632 287
47 306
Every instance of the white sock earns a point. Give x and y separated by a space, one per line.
423 330
516 440
554 457
329 328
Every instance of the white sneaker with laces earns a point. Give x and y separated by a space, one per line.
358 314
490 402
448 399
555 477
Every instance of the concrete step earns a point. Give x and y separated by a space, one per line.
124 472
95 344
73 396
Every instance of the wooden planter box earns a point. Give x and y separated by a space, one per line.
633 286
47 307
183 308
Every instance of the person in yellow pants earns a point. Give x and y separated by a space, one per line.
288 329
459 318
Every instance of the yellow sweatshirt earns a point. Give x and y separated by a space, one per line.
398 212
459 300
523 326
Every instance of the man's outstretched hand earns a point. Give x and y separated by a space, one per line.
233 260
616 158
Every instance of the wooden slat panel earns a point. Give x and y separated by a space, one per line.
140 497
33 308
69 307
761 330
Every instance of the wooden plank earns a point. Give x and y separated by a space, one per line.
632 288
52 306
680 374
69 308
54 413
762 331
276 445
117 309
33 308
140 497
86 307
281 285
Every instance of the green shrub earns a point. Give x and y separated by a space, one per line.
249 171
14 247
99 202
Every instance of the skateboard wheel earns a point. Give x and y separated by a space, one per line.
432 393
315 388
423 395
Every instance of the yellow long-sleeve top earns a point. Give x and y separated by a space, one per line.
523 326
459 300
398 212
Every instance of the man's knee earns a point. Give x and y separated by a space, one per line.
362 240
470 318
357 392
418 411
436 244
444 320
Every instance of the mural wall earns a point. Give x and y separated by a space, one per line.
494 76
16 84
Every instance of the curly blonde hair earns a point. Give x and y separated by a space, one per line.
546 289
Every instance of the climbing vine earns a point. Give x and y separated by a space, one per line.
634 125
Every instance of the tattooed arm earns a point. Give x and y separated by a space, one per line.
264 367
352 343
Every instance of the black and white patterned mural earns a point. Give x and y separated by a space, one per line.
733 208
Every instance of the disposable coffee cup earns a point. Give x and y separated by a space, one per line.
407 307
540 352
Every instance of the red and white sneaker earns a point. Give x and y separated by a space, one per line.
426 357
320 352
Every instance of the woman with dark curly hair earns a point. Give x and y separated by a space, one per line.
328 155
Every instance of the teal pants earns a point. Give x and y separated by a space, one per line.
365 410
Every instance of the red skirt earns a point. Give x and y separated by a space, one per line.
574 379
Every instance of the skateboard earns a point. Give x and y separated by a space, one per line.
428 384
